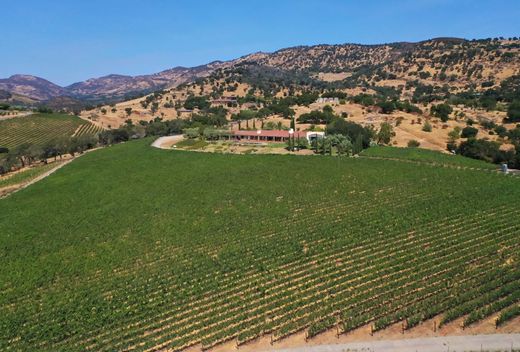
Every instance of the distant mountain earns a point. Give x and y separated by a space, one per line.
452 61
107 88
33 87
118 86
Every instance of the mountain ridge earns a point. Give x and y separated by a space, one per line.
347 57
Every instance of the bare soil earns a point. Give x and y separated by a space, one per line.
393 332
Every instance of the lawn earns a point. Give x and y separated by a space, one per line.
132 247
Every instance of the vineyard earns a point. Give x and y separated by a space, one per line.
426 156
170 249
41 128
87 129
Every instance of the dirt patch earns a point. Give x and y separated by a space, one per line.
394 332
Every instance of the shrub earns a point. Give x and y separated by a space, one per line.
412 143
427 127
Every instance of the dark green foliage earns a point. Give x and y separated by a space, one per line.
483 150
334 94
193 102
387 107
385 133
364 99
501 130
44 110
513 111
469 132
357 133
317 117
508 315
442 111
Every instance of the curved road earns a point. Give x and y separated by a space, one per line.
492 342
167 141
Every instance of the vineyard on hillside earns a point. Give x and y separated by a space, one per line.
169 249
87 129
427 156
41 128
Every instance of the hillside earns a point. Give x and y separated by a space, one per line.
458 63
402 84
132 248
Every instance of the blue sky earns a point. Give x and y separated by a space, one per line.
67 41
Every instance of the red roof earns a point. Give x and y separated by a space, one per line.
268 133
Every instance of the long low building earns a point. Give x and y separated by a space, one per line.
274 135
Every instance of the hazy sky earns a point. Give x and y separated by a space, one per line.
67 41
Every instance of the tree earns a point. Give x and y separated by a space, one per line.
62 145
191 133
469 132
351 130
513 111
454 134
155 107
44 110
326 145
128 111
104 111
34 152
342 143
482 149
20 152
387 107
442 111
328 109
501 131
200 102
385 134
317 117
358 144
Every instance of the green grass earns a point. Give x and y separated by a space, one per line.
25 175
37 128
427 156
135 246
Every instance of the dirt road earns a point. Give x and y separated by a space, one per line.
492 342
167 141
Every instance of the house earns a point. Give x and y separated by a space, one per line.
184 112
264 136
224 101
328 100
